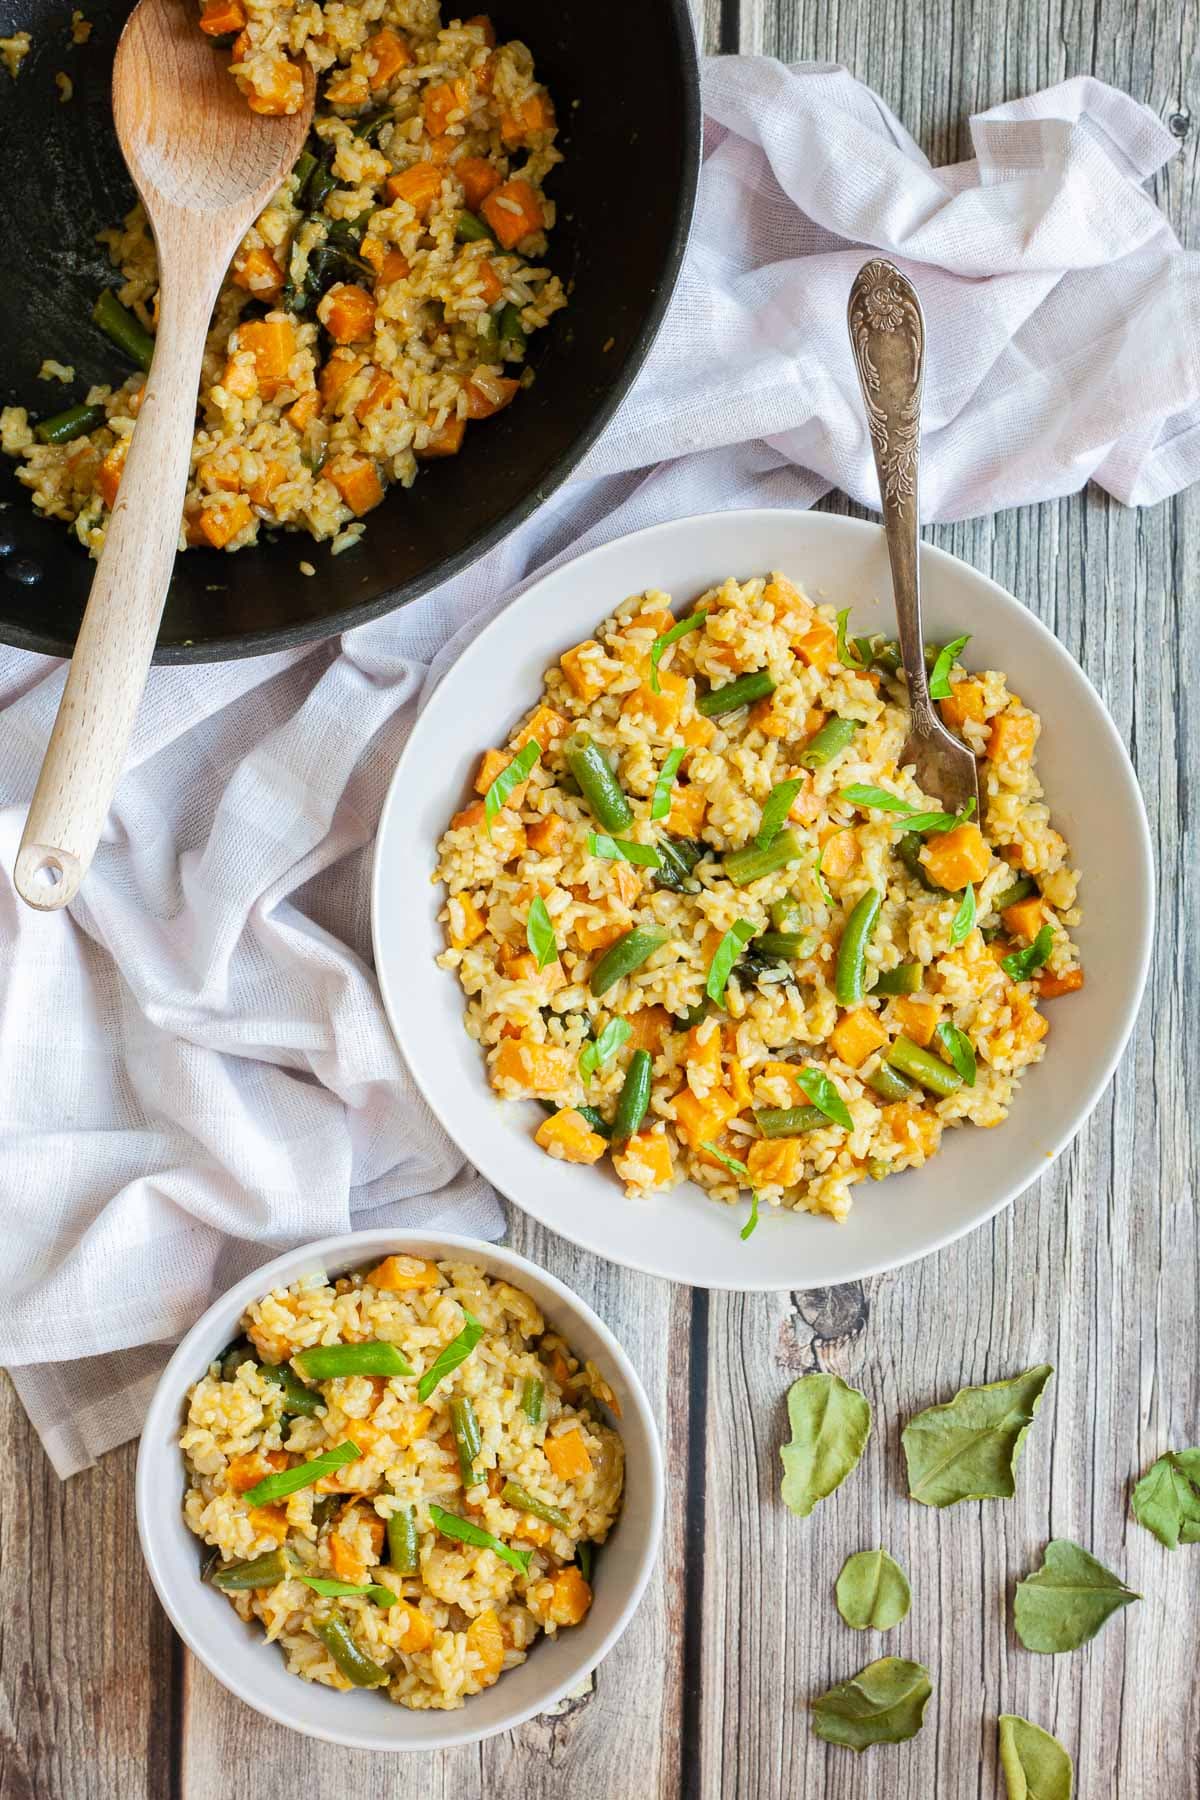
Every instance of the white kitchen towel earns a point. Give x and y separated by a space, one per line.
194 1067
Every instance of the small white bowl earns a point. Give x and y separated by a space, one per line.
682 1234
239 1655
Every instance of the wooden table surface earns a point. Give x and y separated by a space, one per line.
1095 1270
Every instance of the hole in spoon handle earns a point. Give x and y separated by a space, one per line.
45 877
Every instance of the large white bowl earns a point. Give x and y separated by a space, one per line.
239 1655
1094 799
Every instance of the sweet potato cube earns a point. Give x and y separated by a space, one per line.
1049 987
387 53
269 1521
698 732
348 313
701 1122
568 1137
775 1162
446 440
244 1472
446 103
279 93
661 709
261 489
918 1018
792 610
347 1564
1024 917
513 211
818 646
384 391
273 344
839 852
257 271
856 1035
1012 739
702 1058
534 1068
220 17
688 806
598 934
571 1597
646 1028
739 1085
108 477
465 923
303 411
357 481
221 524
956 857
419 186
544 724
530 118
913 1128
404 1275
770 719
965 701
582 670
548 836
480 22
486 1639
490 284
478 177
483 402
492 764
336 373
645 1161
568 1456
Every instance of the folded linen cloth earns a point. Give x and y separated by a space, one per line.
196 1070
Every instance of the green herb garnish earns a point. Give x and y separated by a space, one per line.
1024 963
301 1475
727 953
660 805
539 934
593 1056
959 1049
775 812
730 1162
849 655
449 1357
510 777
693 622
947 656
450 1525
824 1096
336 1590
964 918
751 1225
623 850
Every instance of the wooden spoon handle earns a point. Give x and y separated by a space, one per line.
120 625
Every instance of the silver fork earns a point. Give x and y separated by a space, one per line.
887 335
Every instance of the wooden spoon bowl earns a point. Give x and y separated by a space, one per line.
205 165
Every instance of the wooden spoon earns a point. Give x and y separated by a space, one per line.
887 334
205 166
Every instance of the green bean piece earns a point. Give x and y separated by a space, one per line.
515 1495
788 1121
635 1096
585 1556
787 914
597 783
908 849
338 1639
126 331
827 743
324 1508
741 692
75 422
330 1362
403 1553
905 978
532 1395
302 1475
625 956
850 976
303 169
264 1571
298 1401
789 946
930 1071
889 1084
745 866
596 1121
1017 890
512 334
695 1015
450 1356
466 1438
887 656
469 228
467 1532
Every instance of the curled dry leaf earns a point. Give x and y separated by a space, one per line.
830 1422
883 1704
872 1591
1065 1602
1036 1767
967 1449
1167 1499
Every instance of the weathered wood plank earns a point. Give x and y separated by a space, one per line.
631 1718
86 1657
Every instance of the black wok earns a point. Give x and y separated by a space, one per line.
625 83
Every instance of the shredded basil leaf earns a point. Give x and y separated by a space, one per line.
730 1162
693 622
1024 963
882 801
660 805
332 1590
593 1056
623 850
301 1475
751 1224
959 1049
467 1532
727 953
510 777
848 654
947 656
539 933
825 1097
449 1357
775 812
877 797
964 918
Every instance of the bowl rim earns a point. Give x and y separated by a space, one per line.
362 1246
749 519
326 625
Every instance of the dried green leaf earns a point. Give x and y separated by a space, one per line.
872 1591
883 1704
1167 1498
831 1423
967 1449
1036 1767
1065 1602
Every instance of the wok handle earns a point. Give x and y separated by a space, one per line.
116 639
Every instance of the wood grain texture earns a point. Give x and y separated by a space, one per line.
1097 1270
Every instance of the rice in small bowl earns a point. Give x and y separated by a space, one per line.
462 1565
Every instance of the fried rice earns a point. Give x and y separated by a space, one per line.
378 309
464 1614
764 1082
